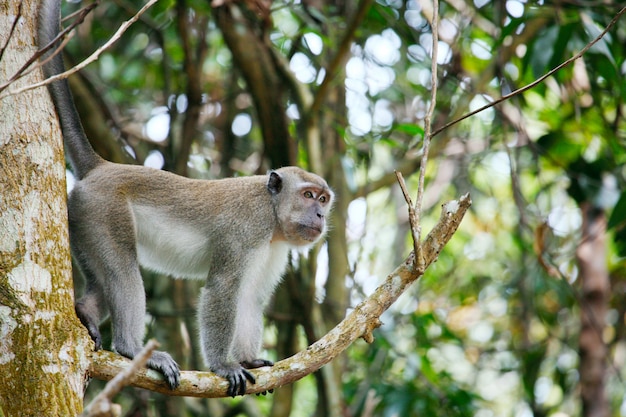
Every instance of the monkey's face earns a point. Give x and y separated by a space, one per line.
304 201
307 217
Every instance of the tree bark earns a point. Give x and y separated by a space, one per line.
594 278
245 34
192 65
43 346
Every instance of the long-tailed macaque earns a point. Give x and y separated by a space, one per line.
235 233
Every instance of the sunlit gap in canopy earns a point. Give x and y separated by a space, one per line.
158 126
242 124
370 72
154 160
302 66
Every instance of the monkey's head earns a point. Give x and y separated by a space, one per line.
301 202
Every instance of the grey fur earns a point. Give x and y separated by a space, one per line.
235 233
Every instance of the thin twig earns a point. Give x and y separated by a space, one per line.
405 192
93 57
102 403
413 221
13 26
22 71
427 135
537 81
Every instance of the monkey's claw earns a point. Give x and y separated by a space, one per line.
236 377
258 363
237 382
163 363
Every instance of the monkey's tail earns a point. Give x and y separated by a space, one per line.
81 155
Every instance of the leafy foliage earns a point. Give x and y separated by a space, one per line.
492 328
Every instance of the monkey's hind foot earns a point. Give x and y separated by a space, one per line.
85 317
159 361
256 363
163 363
236 376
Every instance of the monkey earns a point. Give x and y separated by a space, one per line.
234 233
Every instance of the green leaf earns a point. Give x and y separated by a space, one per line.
543 51
560 45
594 31
410 129
619 212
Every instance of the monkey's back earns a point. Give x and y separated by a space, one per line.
181 225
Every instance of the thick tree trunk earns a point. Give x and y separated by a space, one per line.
245 34
594 276
43 347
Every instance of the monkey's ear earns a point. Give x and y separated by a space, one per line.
275 183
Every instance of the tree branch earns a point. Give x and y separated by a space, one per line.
415 213
358 324
13 26
23 70
413 216
102 404
93 57
245 35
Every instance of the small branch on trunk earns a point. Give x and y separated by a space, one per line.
102 405
413 219
93 57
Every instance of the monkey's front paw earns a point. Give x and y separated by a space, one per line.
163 363
236 377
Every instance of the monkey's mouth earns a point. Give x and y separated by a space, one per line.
310 232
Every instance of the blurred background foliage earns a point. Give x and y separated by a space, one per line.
523 314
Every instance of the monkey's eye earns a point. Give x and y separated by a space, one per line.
308 194
323 199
